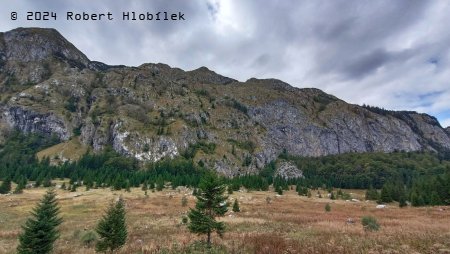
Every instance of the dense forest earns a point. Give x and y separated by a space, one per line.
423 178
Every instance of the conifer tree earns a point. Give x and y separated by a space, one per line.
385 195
22 182
160 184
236 207
327 207
118 183
6 186
40 231
402 201
435 199
47 182
211 203
38 182
112 228
279 190
332 197
20 186
372 194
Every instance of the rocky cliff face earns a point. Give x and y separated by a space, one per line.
30 121
155 111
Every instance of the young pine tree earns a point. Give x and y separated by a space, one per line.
279 190
40 231
230 190
332 197
159 184
402 201
21 185
47 182
236 207
327 208
6 186
211 203
112 228
372 194
386 194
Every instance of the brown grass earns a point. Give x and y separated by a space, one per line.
289 224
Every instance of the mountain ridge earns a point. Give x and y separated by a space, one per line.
154 111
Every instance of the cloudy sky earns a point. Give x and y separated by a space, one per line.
392 54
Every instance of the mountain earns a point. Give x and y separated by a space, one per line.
154 111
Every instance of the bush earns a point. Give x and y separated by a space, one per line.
370 223
327 208
71 104
89 238
236 207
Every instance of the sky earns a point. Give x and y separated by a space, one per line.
391 54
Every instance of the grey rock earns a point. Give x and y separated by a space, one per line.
207 76
32 45
30 121
290 128
144 149
288 170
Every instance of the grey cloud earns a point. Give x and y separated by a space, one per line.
367 63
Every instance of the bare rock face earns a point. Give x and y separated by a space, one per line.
144 149
26 54
154 111
34 45
351 129
288 170
29 121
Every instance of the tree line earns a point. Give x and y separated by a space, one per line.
423 178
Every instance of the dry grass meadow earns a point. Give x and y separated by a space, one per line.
288 224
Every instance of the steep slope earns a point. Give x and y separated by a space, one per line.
155 111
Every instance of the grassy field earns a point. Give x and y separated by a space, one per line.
287 224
